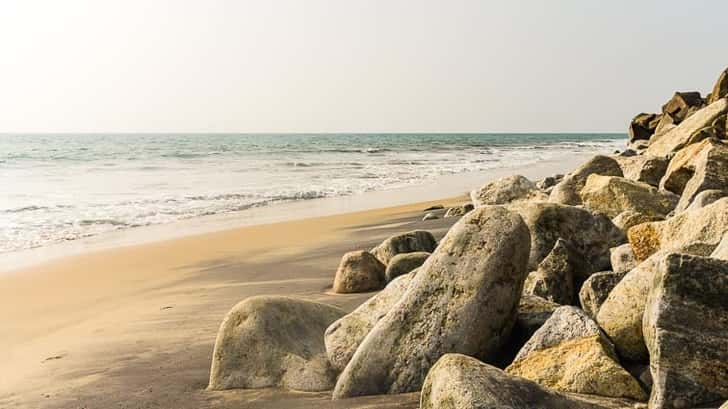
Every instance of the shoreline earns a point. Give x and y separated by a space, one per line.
443 187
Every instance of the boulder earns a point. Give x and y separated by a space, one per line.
533 311
404 263
417 240
460 210
358 272
643 126
720 89
268 341
612 195
343 337
554 278
721 252
622 258
686 331
567 191
629 218
644 168
569 353
596 289
698 167
683 134
430 216
706 197
462 382
620 315
506 190
590 235
681 105
463 299
695 231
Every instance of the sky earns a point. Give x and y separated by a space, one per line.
351 66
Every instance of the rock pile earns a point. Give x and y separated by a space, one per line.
603 288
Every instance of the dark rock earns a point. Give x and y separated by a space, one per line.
595 290
404 263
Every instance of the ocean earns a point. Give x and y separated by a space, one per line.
55 188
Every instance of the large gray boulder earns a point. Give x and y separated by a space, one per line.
644 168
590 235
461 382
358 272
268 341
417 240
567 191
404 263
721 252
622 258
689 131
620 315
686 331
596 289
569 353
506 190
343 337
695 231
554 278
463 299
613 195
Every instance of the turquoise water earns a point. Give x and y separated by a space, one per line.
62 187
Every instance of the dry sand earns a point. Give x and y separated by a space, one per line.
134 326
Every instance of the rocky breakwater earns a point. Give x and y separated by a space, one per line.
606 287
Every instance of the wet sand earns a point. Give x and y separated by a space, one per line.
134 326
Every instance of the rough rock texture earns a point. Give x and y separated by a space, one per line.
706 197
684 134
554 278
269 341
622 258
404 263
613 195
590 235
620 315
570 354
567 191
686 331
596 289
695 231
460 210
461 382
681 105
463 299
359 271
417 240
644 168
549 182
506 190
721 252
698 167
344 336
720 89
629 218
533 311
643 126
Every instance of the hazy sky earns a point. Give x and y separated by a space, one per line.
361 66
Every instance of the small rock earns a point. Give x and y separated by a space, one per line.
570 354
417 240
629 218
460 210
642 126
358 272
596 289
463 299
506 190
429 216
686 331
404 263
343 337
461 382
269 341
434 207
622 258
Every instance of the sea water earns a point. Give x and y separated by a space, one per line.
55 188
